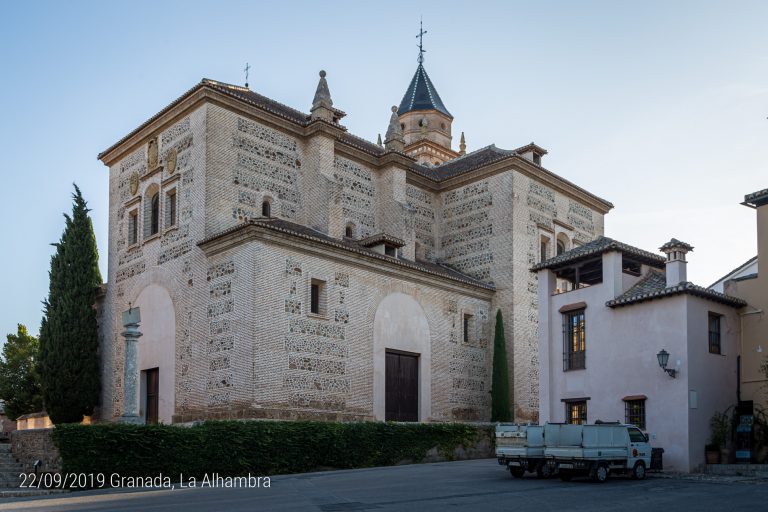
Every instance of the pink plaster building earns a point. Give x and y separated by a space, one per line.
609 315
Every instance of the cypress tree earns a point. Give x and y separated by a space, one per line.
69 357
500 384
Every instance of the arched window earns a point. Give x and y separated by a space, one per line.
154 223
266 209
560 247
562 243
349 231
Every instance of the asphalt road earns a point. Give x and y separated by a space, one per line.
467 485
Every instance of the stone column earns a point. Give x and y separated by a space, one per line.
131 320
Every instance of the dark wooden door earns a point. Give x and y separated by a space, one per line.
153 392
402 387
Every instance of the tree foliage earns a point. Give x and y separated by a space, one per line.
19 381
69 359
500 409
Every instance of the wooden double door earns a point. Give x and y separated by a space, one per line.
402 386
153 394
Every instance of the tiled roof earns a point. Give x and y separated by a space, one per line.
258 100
599 246
758 198
284 226
735 270
654 286
478 158
421 95
380 238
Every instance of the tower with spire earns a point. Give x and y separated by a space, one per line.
424 119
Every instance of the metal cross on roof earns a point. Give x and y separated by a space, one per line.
246 69
421 42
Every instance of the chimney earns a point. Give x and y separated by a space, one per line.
676 264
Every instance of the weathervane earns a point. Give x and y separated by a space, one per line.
421 42
246 69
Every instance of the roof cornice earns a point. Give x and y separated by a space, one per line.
259 230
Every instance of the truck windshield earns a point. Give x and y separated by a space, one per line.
636 436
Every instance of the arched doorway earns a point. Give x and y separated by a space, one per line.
156 357
401 360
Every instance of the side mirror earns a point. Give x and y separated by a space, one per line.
647 439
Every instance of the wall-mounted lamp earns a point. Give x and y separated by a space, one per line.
663 358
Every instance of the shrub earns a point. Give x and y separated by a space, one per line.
236 448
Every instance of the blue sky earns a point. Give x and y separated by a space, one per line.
659 107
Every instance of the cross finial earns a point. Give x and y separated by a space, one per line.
246 69
421 41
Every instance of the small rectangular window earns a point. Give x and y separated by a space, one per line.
634 413
576 412
714 334
317 297
170 208
468 327
544 249
133 227
574 340
390 250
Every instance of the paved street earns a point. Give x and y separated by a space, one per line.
467 485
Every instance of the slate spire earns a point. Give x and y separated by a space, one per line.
422 95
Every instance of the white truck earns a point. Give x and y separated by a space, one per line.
596 450
521 448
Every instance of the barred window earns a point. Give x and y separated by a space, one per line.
634 412
576 412
574 340
714 333
133 227
154 221
170 208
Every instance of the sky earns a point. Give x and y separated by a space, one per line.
659 107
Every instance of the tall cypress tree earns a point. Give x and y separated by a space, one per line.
500 384
69 357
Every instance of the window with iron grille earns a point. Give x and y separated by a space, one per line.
714 333
170 208
634 412
576 412
133 227
574 340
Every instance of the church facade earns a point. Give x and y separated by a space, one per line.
286 268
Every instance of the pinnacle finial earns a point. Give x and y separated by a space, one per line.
378 141
394 140
322 104
462 145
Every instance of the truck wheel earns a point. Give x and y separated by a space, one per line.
517 472
566 476
638 472
599 474
543 470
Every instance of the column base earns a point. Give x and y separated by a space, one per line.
131 420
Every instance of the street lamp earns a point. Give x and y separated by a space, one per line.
663 358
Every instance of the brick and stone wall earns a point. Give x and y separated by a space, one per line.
29 446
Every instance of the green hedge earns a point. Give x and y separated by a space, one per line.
235 448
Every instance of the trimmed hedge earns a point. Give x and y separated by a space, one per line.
236 448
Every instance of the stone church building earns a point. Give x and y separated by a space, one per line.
286 268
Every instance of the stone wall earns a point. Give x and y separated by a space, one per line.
264 354
29 446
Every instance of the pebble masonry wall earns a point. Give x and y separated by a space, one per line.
245 342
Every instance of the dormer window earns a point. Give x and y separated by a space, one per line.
537 159
390 250
266 209
349 230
